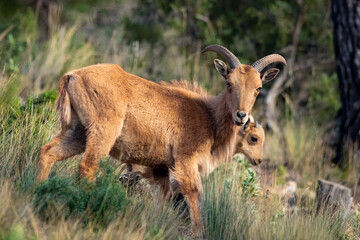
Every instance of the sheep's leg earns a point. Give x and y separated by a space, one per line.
164 183
161 178
67 144
188 178
100 140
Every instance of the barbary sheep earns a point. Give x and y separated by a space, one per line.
101 105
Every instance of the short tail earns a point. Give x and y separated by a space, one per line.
63 103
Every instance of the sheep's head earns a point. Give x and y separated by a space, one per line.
243 82
250 141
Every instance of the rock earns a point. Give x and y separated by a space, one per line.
290 188
289 195
333 197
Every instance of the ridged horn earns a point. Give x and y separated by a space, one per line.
232 60
260 64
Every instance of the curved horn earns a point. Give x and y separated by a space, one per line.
225 53
251 118
246 125
260 64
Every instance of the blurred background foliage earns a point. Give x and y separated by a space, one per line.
161 40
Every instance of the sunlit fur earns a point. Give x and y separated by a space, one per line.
243 144
249 141
153 125
245 81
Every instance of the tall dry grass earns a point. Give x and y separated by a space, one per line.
305 152
228 215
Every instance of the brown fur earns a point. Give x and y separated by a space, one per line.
249 141
191 86
105 110
243 143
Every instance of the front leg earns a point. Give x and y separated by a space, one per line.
187 175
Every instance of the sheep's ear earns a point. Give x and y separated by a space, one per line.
269 75
221 68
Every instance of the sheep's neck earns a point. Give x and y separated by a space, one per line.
224 128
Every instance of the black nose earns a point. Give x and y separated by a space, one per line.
260 161
241 114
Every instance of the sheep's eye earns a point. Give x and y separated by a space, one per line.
258 89
228 84
254 139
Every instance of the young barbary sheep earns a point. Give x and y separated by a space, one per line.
249 141
102 104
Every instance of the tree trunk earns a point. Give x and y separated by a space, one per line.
346 24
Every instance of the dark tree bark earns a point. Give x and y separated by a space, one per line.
346 24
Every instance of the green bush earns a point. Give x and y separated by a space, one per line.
58 196
250 185
98 202
106 196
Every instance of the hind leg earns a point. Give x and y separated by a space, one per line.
67 144
162 179
100 140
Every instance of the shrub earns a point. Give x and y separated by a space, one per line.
250 185
98 202
106 196
58 196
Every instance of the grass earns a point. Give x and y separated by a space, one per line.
20 216
229 214
235 204
306 149
63 206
